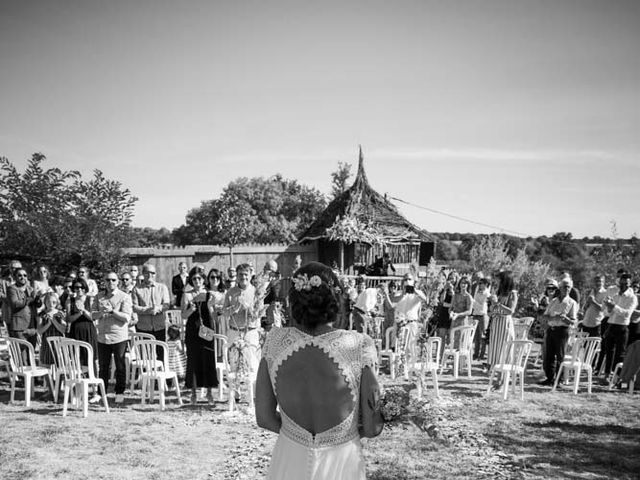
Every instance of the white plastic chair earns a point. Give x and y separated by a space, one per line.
583 352
430 363
155 371
463 351
57 372
133 364
21 365
78 376
221 348
4 355
521 327
513 363
388 352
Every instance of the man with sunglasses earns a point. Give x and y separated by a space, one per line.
114 309
150 301
22 301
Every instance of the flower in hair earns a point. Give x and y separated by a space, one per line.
303 282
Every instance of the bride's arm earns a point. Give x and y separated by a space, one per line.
266 414
370 408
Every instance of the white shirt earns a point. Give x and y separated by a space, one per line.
480 301
624 306
593 315
367 300
409 307
565 306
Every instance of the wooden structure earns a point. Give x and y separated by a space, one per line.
405 243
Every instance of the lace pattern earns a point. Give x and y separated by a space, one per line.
349 350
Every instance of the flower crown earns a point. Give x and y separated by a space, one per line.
303 282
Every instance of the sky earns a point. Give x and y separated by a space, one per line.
520 114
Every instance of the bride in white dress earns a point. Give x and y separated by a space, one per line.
316 387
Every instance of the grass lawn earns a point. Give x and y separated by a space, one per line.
471 435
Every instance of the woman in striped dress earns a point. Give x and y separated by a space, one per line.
503 305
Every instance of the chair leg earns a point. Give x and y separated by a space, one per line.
12 380
392 362
220 384
589 379
576 380
251 387
178 390
103 392
51 385
505 386
66 400
27 390
555 383
631 384
85 400
522 386
144 389
468 359
56 387
434 375
491 374
456 365
161 391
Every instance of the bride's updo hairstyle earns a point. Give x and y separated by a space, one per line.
314 295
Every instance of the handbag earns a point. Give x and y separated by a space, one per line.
205 333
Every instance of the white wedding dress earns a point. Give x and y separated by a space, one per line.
335 453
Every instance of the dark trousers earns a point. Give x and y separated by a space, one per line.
615 344
603 333
479 339
105 351
591 331
160 335
555 346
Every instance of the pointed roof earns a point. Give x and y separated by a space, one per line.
364 203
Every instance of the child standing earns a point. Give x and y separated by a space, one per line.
51 324
177 357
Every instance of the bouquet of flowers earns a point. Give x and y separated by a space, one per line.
395 402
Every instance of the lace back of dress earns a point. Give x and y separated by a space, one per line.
341 346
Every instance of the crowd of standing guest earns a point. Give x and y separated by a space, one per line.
75 306
104 316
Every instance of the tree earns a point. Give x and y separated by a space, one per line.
339 179
280 210
236 222
490 254
56 217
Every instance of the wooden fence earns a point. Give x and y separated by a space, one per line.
166 260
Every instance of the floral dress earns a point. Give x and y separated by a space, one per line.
46 355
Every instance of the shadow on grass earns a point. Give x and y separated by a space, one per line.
572 450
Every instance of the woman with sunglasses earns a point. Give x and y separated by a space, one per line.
78 310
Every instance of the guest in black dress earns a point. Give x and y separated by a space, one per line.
78 310
197 306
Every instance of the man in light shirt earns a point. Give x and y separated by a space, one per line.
364 306
561 313
594 309
150 301
114 309
238 308
621 306
409 306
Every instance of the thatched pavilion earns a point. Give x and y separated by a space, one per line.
361 224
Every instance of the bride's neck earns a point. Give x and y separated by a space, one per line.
316 330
